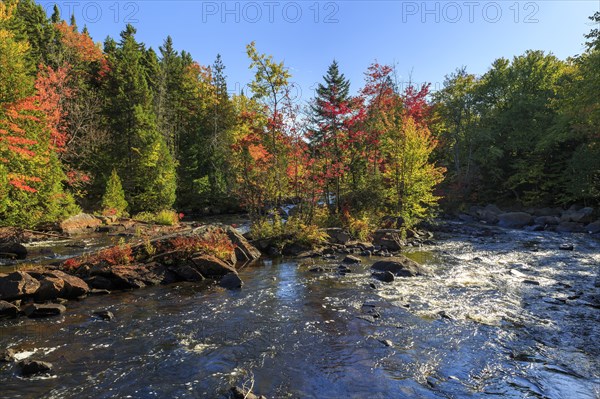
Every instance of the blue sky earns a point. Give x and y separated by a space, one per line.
426 40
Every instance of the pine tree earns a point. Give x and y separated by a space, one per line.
113 201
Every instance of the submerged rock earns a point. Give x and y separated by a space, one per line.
105 315
35 310
566 247
401 266
33 367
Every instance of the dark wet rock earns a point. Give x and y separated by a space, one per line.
321 269
389 239
231 281
444 315
105 315
373 286
386 342
329 256
535 227
531 282
210 266
570 227
583 215
566 247
33 367
367 317
188 273
124 277
17 285
240 393
401 266
7 355
493 209
50 288
96 291
244 251
466 218
343 270
366 253
80 224
547 220
337 235
295 249
35 310
13 250
514 220
593 228
351 260
8 310
386 277
100 283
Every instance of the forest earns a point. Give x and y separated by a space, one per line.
118 128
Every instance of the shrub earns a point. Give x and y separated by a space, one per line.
164 218
215 243
360 227
118 255
292 230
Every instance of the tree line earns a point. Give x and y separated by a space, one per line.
119 128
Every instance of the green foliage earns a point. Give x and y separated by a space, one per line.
163 218
113 201
292 230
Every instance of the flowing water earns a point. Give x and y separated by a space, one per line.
507 315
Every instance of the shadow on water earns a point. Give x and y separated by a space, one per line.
473 330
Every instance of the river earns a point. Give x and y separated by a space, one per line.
507 315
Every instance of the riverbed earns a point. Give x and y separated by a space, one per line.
507 314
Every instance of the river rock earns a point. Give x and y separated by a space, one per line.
386 277
7 355
188 273
105 315
17 285
547 212
33 367
80 224
35 310
240 393
351 260
514 220
8 310
210 266
13 250
244 251
73 287
566 247
401 266
570 227
389 239
547 220
593 228
493 209
231 281
583 215
50 288
337 235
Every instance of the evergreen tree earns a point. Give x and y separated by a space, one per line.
113 201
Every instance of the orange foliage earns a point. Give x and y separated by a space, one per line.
117 255
215 243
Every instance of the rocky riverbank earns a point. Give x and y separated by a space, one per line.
214 253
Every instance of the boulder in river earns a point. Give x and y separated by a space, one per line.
547 220
35 310
401 266
386 277
388 239
8 310
105 315
244 251
33 367
13 250
583 215
17 285
337 235
73 287
7 355
231 281
210 266
514 220
50 288
570 227
593 228
80 224
350 259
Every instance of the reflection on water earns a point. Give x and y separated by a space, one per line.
473 330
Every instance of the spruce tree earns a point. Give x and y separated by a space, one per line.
113 201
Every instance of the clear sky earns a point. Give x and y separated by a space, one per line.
425 39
